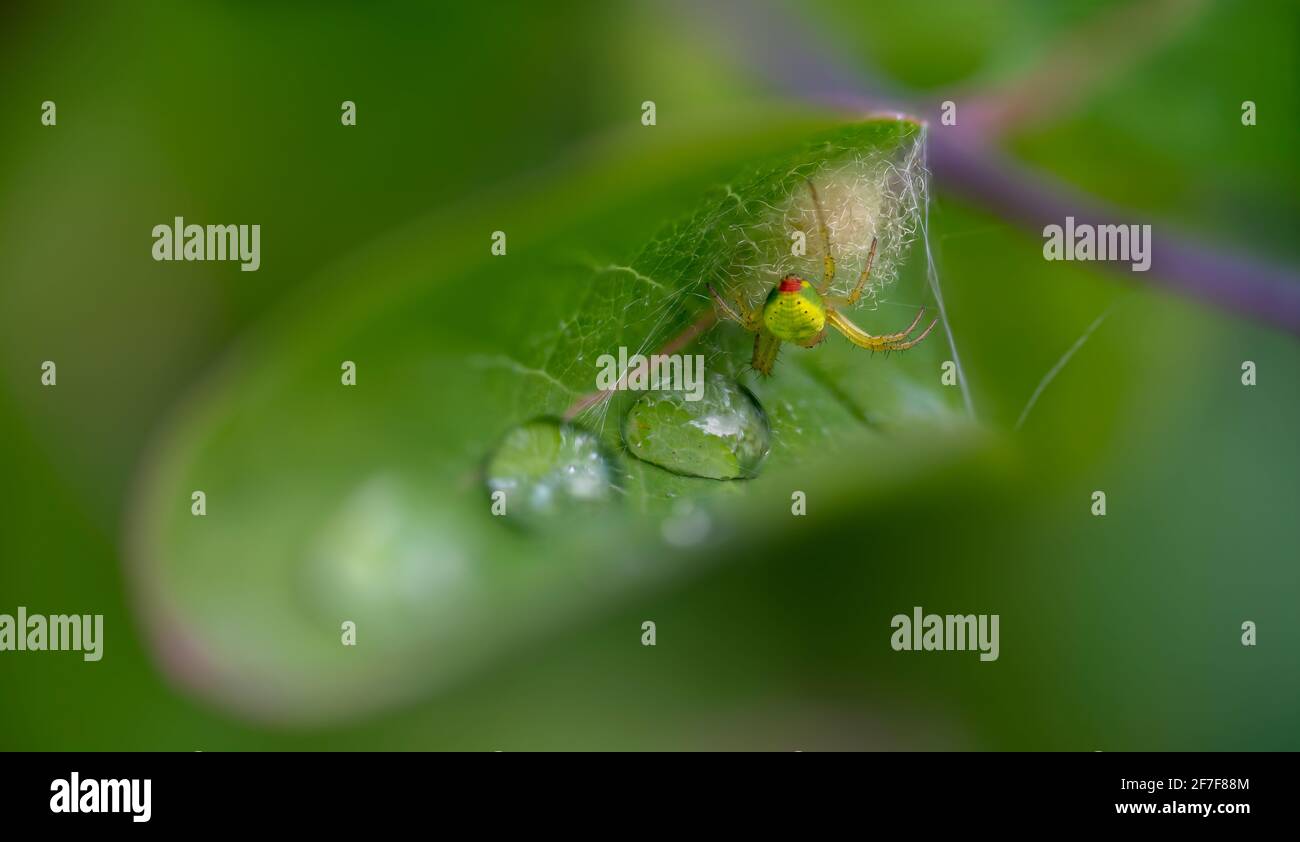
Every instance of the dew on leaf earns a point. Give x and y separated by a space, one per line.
724 435
389 559
686 526
549 469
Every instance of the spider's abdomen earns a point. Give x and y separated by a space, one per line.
794 312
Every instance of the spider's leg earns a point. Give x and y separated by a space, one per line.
859 337
726 308
886 337
828 259
738 314
766 347
903 346
902 334
866 273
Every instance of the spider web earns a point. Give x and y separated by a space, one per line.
872 182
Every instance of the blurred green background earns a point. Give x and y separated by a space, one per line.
1117 633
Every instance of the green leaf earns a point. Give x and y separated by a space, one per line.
367 504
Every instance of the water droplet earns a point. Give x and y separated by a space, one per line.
724 435
549 469
687 525
388 559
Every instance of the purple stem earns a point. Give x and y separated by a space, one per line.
1234 282
781 49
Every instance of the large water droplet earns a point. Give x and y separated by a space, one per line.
723 435
548 469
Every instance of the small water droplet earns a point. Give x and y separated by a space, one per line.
390 559
687 525
724 435
549 469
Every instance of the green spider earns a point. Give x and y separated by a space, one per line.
796 311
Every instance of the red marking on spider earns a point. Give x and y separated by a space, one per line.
791 284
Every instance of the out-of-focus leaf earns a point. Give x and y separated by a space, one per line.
329 503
